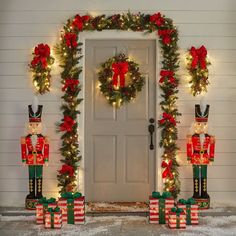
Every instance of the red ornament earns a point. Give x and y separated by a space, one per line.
67 124
79 21
71 39
199 57
167 172
165 35
167 118
169 75
71 84
157 19
66 169
119 69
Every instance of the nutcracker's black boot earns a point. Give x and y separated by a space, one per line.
196 188
204 193
39 188
31 194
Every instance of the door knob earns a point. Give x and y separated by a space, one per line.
151 129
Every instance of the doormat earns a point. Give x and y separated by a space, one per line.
94 207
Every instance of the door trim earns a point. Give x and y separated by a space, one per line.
114 34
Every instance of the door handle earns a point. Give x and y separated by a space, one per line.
151 129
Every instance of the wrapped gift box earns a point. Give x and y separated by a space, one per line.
53 218
41 208
159 207
191 210
73 208
177 218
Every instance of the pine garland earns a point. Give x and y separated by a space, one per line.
69 51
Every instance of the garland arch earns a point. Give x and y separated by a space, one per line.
69 52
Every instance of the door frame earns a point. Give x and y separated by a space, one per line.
124 35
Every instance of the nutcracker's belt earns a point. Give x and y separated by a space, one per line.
200 152
34 152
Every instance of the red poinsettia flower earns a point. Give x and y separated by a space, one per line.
167 118
157 19
79 21
71 84
165 35
71 39
66 169
67 124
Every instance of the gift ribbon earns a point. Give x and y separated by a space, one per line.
44 201
52 214
177 211
161 207
188 204
119 69
70 205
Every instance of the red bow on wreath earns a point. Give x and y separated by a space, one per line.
169 75
199 57
157 19
67 124
67 169
70 83
165 35
71 39
167 172
167 117
119 69
42 52
79 21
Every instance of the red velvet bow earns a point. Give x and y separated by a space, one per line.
165 35
71 39
169 75
67 124
119 69
157 19
79 21
70 83
67 169
42 52
167 117
167 172
199 57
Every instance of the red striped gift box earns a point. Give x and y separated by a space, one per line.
79 210
193 214
41 210
57 221
154 209
177 222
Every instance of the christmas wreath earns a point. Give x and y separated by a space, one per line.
197 66
120 79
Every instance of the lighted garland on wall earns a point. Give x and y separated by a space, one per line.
41 67
197 64
69 51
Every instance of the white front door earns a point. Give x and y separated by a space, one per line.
119 166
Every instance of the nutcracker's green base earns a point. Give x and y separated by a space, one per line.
203 203
30 204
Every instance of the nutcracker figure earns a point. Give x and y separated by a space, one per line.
200 152
35 153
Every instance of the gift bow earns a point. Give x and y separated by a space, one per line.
190 201
199 57
44 200
52 210
119 69
70 195
167 172
169 75
71 39
164 195
176 210
167 117
67 124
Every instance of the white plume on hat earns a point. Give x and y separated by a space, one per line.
203 105
35 103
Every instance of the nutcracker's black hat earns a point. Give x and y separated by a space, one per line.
35 116
201 116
